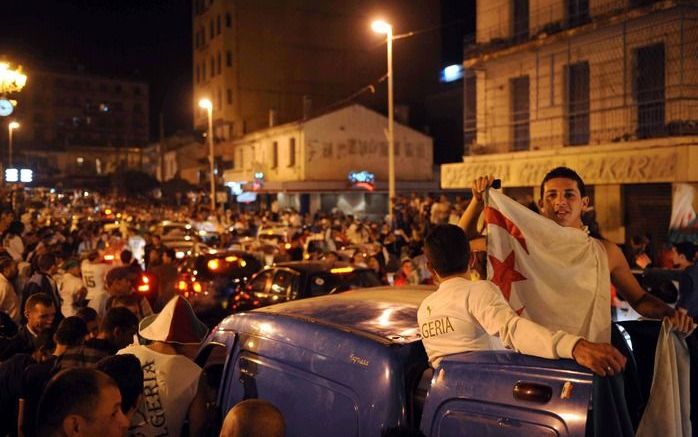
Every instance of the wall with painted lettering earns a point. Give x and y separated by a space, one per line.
354 138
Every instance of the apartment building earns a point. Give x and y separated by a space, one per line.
607 87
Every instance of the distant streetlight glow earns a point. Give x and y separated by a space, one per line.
208 106
383 27
11 126
11 81
205 104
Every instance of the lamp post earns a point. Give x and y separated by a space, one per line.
208 106
380 26
11 126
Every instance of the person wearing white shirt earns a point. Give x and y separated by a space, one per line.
13 240
9 302
94 273
462 315
71 288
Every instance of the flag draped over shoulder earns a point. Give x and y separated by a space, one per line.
554 275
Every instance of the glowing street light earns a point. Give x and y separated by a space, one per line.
11 126
383 27
11 81
208 106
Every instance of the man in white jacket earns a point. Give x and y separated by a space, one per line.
462 314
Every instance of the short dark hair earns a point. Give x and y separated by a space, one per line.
126 371
170 252
118 273
38 298
687 249
87 314
71 331
126 256
565 173
5 262
72 391
447 250
119 317
46 261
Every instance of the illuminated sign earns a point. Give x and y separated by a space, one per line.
19 175
235 187
452 73
362 179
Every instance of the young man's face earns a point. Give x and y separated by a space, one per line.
40 317
563 203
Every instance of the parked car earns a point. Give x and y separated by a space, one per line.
352 364
209 281
298 280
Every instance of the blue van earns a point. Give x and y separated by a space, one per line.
353 364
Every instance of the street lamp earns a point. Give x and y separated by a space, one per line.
380 26
208 106
11 126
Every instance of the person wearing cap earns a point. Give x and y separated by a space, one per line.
171 386
71 288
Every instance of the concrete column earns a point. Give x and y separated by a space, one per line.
609 211
315 203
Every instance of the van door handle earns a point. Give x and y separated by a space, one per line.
533 392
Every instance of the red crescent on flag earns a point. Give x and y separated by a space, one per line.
495 217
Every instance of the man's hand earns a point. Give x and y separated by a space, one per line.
480 185
682 322
601 358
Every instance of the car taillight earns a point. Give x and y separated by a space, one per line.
143 284
197 287
182 285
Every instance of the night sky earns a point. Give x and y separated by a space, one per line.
148 40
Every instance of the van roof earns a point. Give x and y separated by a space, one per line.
386 312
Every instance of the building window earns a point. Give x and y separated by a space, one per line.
520 17
520 113
274 154
210 29
218 62
218 25
117 89
649 90
292 152
228 20
219 94
213 67
230 96
203 71
577 12
229 58
578 103
198 73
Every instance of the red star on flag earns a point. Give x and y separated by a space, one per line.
495 217
505 273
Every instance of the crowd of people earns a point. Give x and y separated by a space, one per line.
70 310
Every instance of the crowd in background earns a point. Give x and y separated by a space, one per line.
68 296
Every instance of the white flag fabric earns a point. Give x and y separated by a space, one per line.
550 274
668 410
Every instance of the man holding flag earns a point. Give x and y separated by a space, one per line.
554 273
559 276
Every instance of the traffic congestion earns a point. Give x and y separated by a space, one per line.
73 261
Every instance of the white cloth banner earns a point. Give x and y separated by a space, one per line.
550 274
668 410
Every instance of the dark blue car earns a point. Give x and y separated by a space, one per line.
352 364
